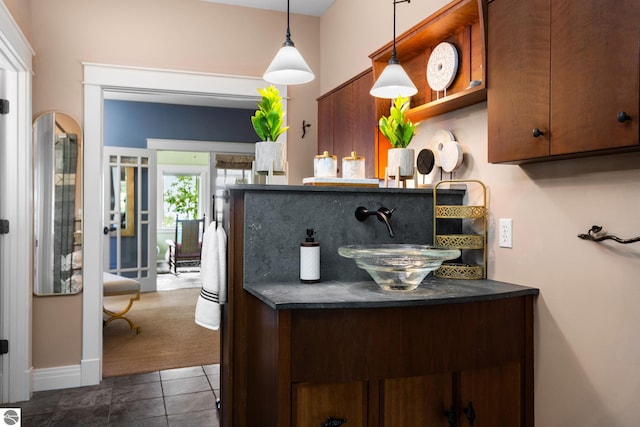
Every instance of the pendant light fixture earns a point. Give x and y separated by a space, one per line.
394 81
288 67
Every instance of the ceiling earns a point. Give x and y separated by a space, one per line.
303 7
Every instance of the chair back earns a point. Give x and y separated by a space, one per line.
189 233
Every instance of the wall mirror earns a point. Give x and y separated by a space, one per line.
57 148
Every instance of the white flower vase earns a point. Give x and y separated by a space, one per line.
270 156
402 158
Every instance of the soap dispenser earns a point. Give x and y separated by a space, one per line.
310 259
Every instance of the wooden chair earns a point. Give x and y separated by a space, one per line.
186 248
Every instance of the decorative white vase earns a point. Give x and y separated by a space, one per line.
402 158
270 155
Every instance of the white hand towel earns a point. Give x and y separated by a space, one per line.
222 265
207 306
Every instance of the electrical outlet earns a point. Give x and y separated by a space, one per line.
505 233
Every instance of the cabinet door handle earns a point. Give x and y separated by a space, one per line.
537 132
333 422
623 117
451 416
470 413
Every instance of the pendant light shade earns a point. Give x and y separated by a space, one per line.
288 67
394 81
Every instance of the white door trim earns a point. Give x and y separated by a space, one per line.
97 79
17 206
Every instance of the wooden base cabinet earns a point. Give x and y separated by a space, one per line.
417 401
464 364
319 404
487 397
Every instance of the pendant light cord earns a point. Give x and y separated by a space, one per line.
288 41
394 59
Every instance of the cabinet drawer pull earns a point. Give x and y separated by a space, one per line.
334 422
537 132
470 413
451 416
623 117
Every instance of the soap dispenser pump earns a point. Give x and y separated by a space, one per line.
310 259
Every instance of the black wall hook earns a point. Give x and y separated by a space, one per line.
595 229
305 125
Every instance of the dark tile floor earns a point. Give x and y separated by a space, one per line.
170 398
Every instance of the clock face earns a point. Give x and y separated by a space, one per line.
442 66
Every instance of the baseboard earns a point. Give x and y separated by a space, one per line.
57 378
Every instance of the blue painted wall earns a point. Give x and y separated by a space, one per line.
129 124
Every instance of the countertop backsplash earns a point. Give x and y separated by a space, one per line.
276 219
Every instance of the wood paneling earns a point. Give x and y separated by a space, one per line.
346 120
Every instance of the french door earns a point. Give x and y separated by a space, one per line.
129 217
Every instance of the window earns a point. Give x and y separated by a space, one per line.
182 191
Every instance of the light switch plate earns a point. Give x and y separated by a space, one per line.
505 233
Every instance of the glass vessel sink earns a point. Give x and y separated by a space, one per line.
398 267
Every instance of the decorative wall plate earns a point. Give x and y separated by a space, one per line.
441 137
448 151
442 66
450 154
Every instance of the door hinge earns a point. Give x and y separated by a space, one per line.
4 226
4 346
4 106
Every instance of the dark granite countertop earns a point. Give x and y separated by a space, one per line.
367 294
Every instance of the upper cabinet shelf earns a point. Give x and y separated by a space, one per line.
462 23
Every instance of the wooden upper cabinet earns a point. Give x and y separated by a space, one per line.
326 107
519 79
573 81
346 121
595 54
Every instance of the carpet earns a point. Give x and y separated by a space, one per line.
169 338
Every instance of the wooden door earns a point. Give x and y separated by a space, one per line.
364 122
343 124
417 401
518 77
326 111
491 396
314 404
346 121
594 75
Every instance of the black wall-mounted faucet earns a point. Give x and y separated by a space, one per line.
383 214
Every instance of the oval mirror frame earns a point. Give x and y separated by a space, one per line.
58 204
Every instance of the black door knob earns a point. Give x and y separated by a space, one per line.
623 117
537 132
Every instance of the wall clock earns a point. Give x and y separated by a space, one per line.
442 66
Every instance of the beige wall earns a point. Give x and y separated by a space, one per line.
587 352
189 35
